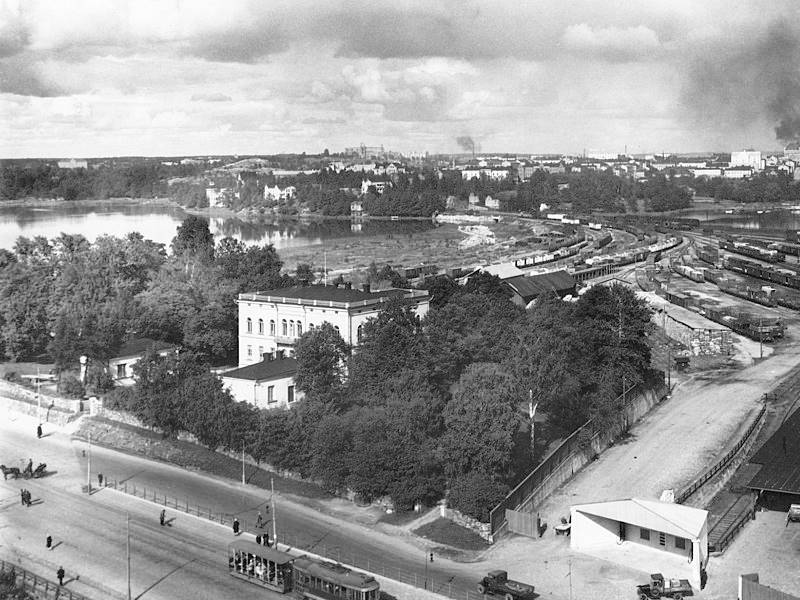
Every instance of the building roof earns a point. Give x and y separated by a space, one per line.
138 346
529 288
780 470
671 518
326 293
265 370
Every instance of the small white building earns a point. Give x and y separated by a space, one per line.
73 164
265 384
380 186
648 535
121 366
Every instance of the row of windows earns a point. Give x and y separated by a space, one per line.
288 328
333 590
680 542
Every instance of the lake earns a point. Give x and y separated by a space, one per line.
158 222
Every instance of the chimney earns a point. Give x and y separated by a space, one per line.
348 285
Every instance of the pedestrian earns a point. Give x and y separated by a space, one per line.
258 540
39 431
266 539
22 496
235 526
27 497
259 521
163 516
49 542
60 574
99 480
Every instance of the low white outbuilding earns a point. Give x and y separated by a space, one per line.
652 536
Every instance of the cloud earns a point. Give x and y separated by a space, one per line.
247 45
611 43
14 36
19 76
213 97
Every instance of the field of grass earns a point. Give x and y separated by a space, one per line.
445 531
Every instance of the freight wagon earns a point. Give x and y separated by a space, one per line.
772 256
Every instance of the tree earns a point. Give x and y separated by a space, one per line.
476 494
208 408
481 420
194 239
321 356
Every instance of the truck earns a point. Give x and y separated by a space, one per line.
793 514
666 588
497 583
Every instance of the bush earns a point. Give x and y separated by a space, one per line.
476 494
121 398
71 387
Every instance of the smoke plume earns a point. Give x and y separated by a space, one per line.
757 79
466 143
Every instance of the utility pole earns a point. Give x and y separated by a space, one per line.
89 464
243 480
274 512
425 584
128 550
669 367
38 399
761 337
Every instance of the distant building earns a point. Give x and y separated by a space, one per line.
737 173
356 208
73 163
707 172
526 289
276 194
379 186
747 158
493 203
221 196
792 151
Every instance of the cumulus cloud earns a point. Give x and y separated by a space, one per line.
19 76
214 97
613 43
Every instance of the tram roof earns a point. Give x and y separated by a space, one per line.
267 552
336 573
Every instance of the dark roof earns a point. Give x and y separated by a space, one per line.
329 292
266 369
140 345
780 459
531 287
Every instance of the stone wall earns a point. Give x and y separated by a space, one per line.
482 529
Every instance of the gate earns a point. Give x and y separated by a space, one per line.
521 522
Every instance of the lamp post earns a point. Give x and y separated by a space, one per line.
274 512
243 479
89 464
425 583
128 550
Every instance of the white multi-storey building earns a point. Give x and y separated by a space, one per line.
747 158
274 319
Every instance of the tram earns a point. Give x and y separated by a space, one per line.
260 565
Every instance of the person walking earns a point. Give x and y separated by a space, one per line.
235 526
259 521
162 518
99 480
39 431
49 542
60 574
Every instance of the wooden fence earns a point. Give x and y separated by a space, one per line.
36 586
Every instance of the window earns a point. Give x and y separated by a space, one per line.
261 326
121 370
644 534
249 325
291 328
359 332
249 351
680 543
283 327
271 394
260 351
299 329
310 326
290 393
271 327
662 538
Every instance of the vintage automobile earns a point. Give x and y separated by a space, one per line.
664 588
498 583
794 513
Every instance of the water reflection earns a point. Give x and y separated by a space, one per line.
159 223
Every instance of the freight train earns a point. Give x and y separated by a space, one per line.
753 251
759 271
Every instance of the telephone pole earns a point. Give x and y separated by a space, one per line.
274 513
89 464
128 550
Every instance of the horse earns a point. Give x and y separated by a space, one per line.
9 471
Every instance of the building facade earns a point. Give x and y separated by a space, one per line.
273 320
268 383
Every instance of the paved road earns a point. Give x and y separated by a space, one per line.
99 526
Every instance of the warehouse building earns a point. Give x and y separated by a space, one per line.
777 481
651 536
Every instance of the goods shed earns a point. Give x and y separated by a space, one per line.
648 535
777 481
526 289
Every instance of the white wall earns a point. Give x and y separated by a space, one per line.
256 393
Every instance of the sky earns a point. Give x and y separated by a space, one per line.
88 78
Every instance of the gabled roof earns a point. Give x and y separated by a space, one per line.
138 346
265 370
534 286
675 519
326 292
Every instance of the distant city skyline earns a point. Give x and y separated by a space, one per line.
91 78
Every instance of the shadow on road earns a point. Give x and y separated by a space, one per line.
160 579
